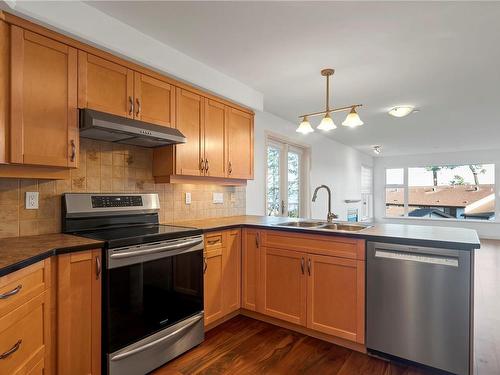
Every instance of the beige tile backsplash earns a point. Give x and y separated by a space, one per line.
107 167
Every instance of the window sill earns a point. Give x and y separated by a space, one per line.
440 220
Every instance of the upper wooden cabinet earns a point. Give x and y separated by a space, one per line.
110 87
240 144
44 118
189 159
213 141
154 100
79 313
105 86
219 142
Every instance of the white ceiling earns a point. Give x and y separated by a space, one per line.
442 57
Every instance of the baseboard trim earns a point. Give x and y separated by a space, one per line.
293 327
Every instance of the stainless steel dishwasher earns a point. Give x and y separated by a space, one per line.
419 305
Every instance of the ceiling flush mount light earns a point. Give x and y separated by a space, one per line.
305 126
352 120
377 149
401 111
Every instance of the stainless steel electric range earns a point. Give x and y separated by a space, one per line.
152 279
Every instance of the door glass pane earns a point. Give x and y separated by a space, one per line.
273 181
293 184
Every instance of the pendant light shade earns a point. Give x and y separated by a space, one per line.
352 120
327 123
305 126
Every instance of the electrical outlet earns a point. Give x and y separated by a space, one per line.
218 198
32 200
188 198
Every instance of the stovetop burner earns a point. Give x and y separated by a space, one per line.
119 219
135 234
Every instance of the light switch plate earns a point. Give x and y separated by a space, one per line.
188 198
218 198
31 200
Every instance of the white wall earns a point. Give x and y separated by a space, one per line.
85 23
484 229
332 164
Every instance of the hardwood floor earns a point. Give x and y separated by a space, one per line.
247 346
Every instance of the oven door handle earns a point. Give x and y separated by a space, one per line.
139 349
159 249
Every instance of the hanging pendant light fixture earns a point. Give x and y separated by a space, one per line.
327 124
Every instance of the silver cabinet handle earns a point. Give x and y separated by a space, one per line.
309 266
257 239
12 292
302 265
11 350
131 109
205 264
230 168
206 165
73 150
98 267
194 320
202 165
138 107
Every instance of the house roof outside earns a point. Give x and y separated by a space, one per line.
477 201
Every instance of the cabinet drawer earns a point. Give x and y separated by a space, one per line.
23 338
343 247
214 240
19 287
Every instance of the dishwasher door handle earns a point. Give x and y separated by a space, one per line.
417 257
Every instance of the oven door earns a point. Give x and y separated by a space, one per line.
152 288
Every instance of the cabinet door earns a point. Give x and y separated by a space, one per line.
283 288
231 272
189 114
250 268
336 297
79 313
240 144
213 285
105 86
215 125
154 100
44 127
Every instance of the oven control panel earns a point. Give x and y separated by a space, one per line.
103 201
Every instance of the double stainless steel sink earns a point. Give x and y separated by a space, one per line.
337 227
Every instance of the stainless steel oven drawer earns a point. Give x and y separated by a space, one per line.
152 352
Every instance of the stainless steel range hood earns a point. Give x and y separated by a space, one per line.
106 127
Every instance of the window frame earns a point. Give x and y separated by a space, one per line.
286 145
368 194
406 187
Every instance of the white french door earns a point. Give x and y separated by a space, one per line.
284 181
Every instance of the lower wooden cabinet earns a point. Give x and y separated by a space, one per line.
283 285
336 296
25 321
250 273
322 292
79 313
222 279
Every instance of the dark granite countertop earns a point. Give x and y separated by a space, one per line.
416 235
19 252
